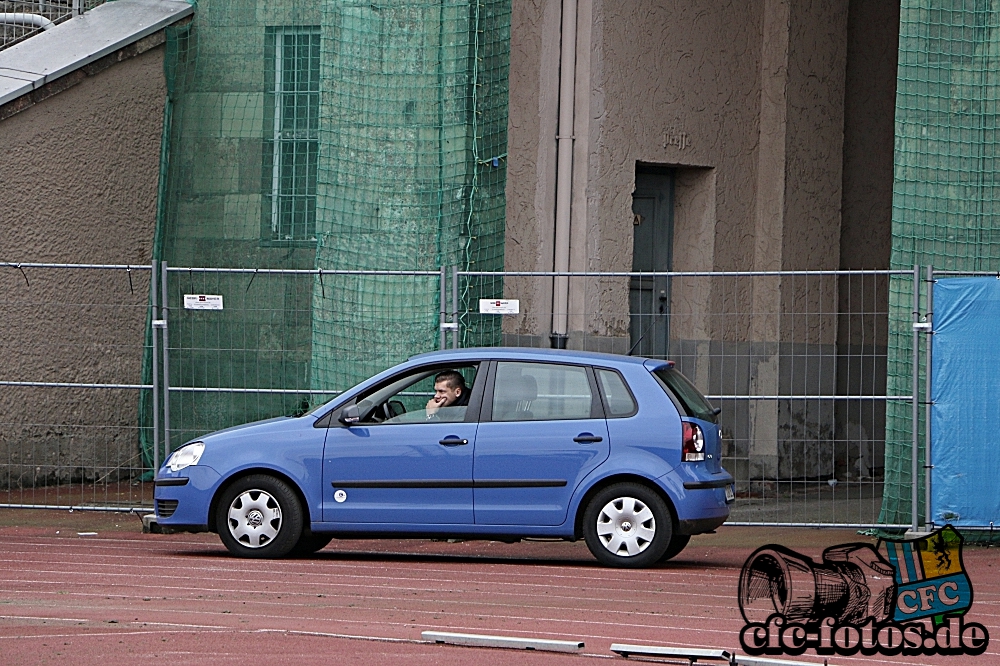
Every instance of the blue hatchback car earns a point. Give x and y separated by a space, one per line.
493 443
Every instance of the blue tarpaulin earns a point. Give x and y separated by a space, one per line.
965 391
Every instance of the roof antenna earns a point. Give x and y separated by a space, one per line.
640 338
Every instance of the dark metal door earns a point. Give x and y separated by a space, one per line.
653 232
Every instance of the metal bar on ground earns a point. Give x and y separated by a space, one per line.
78 507
515 642
693 655
742 660
851 526
915 415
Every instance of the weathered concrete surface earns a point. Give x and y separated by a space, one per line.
79 172
749 103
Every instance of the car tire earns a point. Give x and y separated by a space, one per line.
310 543
627 525
677 544
259 516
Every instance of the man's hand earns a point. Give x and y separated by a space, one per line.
434 404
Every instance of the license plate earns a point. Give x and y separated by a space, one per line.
730 493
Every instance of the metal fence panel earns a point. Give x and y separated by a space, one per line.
796 360
260 355
72 340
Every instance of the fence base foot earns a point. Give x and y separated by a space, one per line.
149 524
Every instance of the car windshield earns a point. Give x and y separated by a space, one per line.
690 398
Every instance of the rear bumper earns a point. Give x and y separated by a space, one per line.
700 525
699 497
705 485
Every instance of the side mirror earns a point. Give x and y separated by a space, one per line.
349 415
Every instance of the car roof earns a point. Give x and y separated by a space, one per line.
533 354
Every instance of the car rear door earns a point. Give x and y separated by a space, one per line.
542 431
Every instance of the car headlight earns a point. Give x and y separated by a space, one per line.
187 455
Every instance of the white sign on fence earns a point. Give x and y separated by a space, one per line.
202 302
499 306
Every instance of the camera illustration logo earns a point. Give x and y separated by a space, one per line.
912 601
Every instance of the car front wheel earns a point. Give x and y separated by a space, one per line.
627 525
259 516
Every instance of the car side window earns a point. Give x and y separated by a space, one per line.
617 398
410 398
541 392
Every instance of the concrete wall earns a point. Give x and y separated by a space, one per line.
866 233
79 181
749 103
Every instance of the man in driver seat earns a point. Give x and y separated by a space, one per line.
449 391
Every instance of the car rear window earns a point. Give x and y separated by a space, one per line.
616 394
690 398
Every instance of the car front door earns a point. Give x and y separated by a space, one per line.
542 432
397 465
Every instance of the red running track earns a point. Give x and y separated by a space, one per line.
121 597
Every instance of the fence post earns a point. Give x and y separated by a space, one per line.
915 401
929 319
443 309
166 358
154 355
454 307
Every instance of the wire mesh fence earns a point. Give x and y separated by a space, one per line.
258 355
795 360
72 340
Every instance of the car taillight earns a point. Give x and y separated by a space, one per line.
693 449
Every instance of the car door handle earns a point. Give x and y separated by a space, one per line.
453 441
585 438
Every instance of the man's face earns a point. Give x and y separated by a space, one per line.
445 394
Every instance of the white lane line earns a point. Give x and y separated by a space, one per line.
374 580
370 587
698 624
539 569
403 609
49 619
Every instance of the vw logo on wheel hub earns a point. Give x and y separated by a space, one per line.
255 518
626 526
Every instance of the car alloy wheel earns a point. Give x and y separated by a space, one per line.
627 525
259 516
254 518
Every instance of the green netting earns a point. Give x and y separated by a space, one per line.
414 175
335 135
945 197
